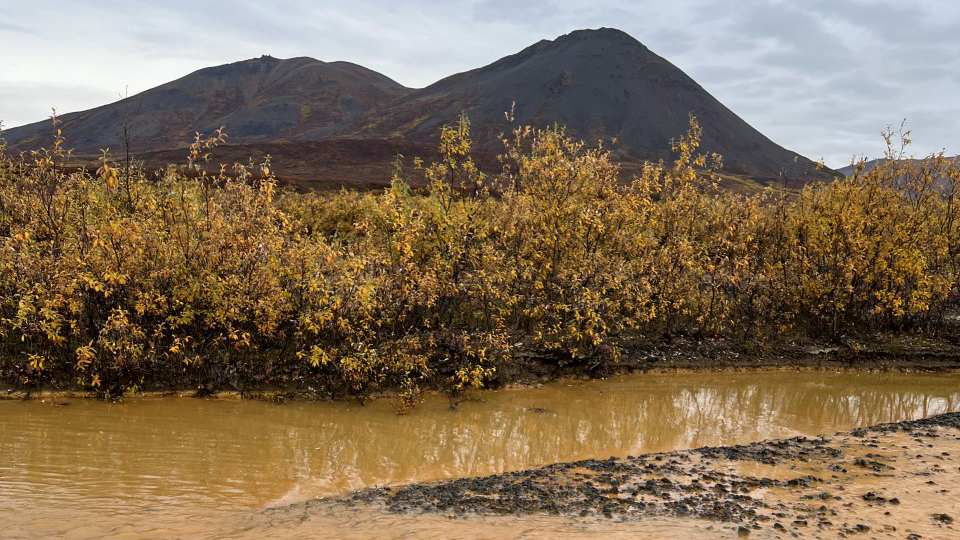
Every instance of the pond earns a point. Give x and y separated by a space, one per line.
208 468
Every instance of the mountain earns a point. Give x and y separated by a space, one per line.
263 99
599 83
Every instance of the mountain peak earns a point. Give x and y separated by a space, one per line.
263 64
599 41
611 35
599 83
257 99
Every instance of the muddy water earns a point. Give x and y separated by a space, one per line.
188 468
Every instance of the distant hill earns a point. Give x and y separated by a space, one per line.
849 169
264 99
601 84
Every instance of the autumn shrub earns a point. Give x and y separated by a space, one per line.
113 279
876 251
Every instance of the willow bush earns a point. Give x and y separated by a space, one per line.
115 279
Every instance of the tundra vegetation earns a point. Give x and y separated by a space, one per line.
116 278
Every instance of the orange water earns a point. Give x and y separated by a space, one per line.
191 468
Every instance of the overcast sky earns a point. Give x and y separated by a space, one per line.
820 77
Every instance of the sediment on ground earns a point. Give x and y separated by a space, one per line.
896 480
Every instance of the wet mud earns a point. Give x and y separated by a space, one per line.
893 480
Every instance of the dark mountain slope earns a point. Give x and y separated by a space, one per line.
599 83
264 99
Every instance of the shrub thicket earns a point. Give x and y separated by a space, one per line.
113 279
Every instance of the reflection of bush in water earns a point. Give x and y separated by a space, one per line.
326 447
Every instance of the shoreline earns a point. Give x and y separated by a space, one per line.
896 480
7 393
897 354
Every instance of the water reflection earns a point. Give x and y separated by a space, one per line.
149 454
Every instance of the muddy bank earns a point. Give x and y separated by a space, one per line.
876 352
896 480
893 353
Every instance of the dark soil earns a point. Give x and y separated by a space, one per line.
874 352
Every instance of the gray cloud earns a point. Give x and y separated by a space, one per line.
14 28
858 85
821 77
509 11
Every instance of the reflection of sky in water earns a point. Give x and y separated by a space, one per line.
161 452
